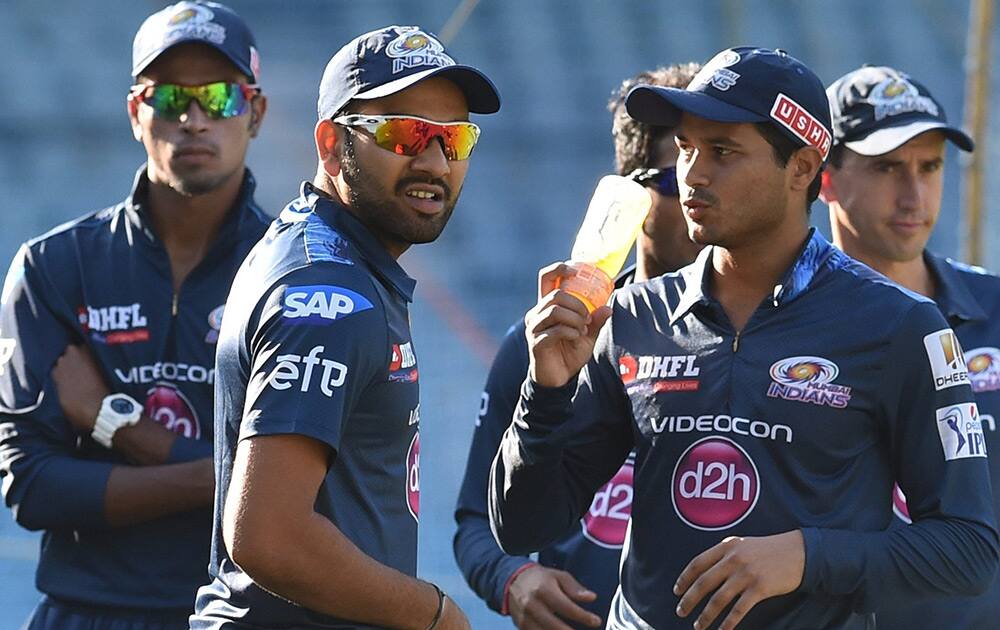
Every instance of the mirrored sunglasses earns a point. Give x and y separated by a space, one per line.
217 100
409 135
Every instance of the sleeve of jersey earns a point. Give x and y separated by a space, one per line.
559 449
485 566
321 340
938 456
45 485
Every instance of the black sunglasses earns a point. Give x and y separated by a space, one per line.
664 180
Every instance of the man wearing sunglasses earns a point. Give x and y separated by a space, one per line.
884 187
317 488
108 447
575 578
773 391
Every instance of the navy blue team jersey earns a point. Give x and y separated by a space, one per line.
105 280
969 298
590 551
316 342
839 383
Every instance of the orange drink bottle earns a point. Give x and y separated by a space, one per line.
612 223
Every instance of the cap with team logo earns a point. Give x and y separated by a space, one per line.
208 23
877 109
745 84
392 59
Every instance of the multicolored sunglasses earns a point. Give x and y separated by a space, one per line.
409 135
664 180
217 100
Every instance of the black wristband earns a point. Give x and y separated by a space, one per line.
437 615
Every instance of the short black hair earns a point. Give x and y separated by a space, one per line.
634 140
782 148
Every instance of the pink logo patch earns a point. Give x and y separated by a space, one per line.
899 505
715 484
168 406
413 477
606 522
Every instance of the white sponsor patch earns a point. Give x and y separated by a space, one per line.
961 431
947 360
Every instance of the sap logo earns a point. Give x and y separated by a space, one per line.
322 304
402 356
961 431
800 122
6 352
947 359
167 371
295 369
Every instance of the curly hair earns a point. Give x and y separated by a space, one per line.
634 141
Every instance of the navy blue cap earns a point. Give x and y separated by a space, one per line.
745 85
391 59
877 109
208 23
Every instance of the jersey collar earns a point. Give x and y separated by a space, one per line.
342 221
952 295
814 254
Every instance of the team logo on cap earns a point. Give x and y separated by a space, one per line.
716 72
801 123
194 21
984 369
808 379
413 48
896 96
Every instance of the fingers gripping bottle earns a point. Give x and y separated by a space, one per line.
614 217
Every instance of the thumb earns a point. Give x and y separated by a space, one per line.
574 589
597 321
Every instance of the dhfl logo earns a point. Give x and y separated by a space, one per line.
800 122
413 477
668 373
715 484
402 365
606 522
168 406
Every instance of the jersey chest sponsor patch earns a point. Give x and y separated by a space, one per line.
661 373
167 405
403 363
606 522
715 484
117 324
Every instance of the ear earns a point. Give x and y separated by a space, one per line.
327 149
803 167
132 107
827 193
258 108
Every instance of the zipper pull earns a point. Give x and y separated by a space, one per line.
736 343
173 306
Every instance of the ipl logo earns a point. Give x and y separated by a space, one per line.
961 431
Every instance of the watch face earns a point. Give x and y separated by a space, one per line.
122 406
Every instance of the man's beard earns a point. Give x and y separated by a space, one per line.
383 212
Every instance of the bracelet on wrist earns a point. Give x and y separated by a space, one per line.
440 609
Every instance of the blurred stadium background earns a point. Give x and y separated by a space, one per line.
65 149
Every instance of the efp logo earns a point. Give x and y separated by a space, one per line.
413 477
320 304
947 359
715 484
414 48
984 369
606 522
961 431
808 379
168 406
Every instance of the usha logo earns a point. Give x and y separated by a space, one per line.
808 379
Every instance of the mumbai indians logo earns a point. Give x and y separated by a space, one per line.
715 72
898 96
808 379
984 369
195 21
413 48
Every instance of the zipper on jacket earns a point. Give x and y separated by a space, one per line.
173 306
736 342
